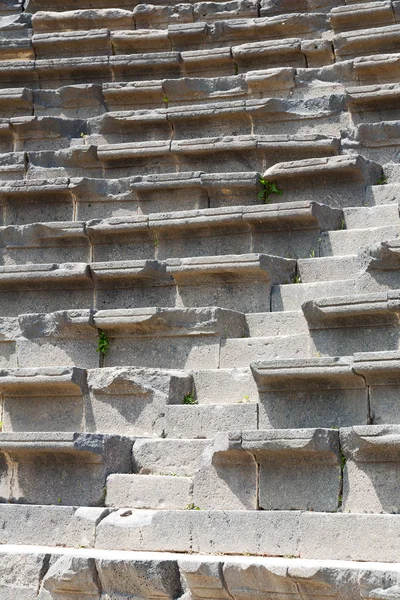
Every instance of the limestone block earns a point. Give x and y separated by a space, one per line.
100 198
360 16
329 178
160 492
154 578
254 532
380 258
44 133
364 310
49 525
233 31
205 421
207 89
132 401
271 81
20 72
23 286
225 118
211 11
131 284
381 372
263 54
379 97
224 281
140 41
36 200
43 5
42 399
150 16
272 7
224 386
74 465
74 101
227 189
121 238
145 66
168 338
64 338
143 125
239 353
371 474
350 537
126 95
297 468
72 43
380 68
21 574
110 18
164 192
291 25
40 242
69 576
289 297
227 479
59 72
207 63
184 36
312 392
16 101
147 530
366 41
16 49
168 456
6 136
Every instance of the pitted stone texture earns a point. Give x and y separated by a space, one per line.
149 491
371 474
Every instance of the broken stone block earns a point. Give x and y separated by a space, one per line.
132 401
74 465
310 393
371 473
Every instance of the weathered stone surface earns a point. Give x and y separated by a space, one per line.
158 492
74 465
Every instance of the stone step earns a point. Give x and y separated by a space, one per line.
266 470
314 270
151 337
371 217
276 323
239 353
377 40
175 37
273 7
75 466
342 243
311 392
377 68
206 420
339 180
86 570
287 228
373 98
291 297
213 153
361 15
378 195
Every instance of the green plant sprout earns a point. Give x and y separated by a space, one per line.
192 506
297 279
165 99
236 68
189 398
382 180
103 343
269 187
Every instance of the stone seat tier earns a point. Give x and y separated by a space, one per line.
267 470
367 41
187 36
361 15
75 465
164 575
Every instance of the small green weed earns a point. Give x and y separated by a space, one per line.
236 68
59 500
312 253
165 99
189 398
83 135
342 224
382 180
192 506
269 187
103 343
297 279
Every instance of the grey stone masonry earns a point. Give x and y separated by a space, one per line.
310 392
272 470
370 479
74 465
